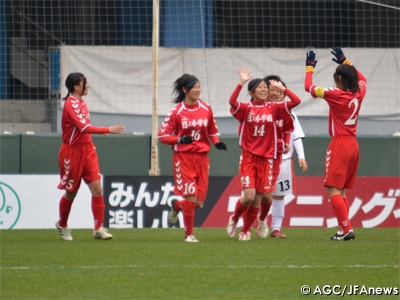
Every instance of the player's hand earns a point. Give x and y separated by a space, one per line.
221 146
310 59
339 55
117 129
303 164
244 75
286 148
185 139
277 84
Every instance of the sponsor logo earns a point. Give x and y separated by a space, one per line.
10 207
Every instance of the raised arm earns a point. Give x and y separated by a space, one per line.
295 100
310 65
340 58
244 77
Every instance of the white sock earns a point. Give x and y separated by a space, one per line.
278 212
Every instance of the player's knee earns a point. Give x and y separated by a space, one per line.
70 195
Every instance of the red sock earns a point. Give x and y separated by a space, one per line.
98 211
347 205
188 216
65 208
340 212
179 205
264 210
245 212
251 215
239 210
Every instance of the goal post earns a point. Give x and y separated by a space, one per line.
154 170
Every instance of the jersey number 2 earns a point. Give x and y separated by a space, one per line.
352 120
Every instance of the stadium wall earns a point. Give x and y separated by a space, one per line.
129 155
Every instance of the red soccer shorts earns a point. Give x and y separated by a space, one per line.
191 174
256 172
77 162
341 162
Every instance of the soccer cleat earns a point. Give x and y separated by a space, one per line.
248 235
348 236
191 239
65 233
243 236
336 236
173 214
262 229
102 234
231 228
277 234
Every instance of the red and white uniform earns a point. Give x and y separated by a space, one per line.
77 156
190 161
342 156
259 122
75 119
344 106
261 125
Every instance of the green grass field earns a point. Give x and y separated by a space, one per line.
157 264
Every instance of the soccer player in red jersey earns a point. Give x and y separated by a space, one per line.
188 128
258 138
77 157
285 183
342 156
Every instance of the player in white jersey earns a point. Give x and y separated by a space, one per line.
285 184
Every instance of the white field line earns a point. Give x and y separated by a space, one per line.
201 267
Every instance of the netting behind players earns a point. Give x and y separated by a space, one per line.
110 42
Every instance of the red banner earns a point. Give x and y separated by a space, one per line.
374 202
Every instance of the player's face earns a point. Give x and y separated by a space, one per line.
86 90
260 93
193 94
275 94
79 88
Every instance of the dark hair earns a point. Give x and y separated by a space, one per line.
72 80
253 84
273 77
187 81
349 77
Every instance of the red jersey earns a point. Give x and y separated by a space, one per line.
286 127
75 119
344 106
195 120
261 123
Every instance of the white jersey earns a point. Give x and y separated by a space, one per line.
296 134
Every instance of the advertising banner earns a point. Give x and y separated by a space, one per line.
374 202
137 202
142 202
31 201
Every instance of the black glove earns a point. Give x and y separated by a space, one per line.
338 53
310 59
185 140
221 146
